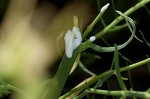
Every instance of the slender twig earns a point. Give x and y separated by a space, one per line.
93 79
89 28
138 94
120 18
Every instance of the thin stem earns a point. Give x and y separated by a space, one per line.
117 69
83 85
113 5
120 18
138 94
89 28
130 79
85 69
109 88
98 84
93 79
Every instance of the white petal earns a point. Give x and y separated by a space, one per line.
72 40
69 43
78 37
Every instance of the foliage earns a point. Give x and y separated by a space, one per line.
54 86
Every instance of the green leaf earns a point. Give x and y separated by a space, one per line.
89 55
148 44
85 69
130 23
117 69
101 81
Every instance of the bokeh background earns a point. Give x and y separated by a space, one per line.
32 41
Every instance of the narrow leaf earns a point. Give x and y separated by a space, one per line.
101 81
117 69
132 28
130 23
85 69
148 44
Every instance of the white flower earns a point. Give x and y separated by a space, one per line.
72 40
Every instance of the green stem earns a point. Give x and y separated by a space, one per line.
93 79
117 28
98 84
84 84
120 18
89 28
112 24
138 94
117 69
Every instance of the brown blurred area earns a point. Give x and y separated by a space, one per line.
32 35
